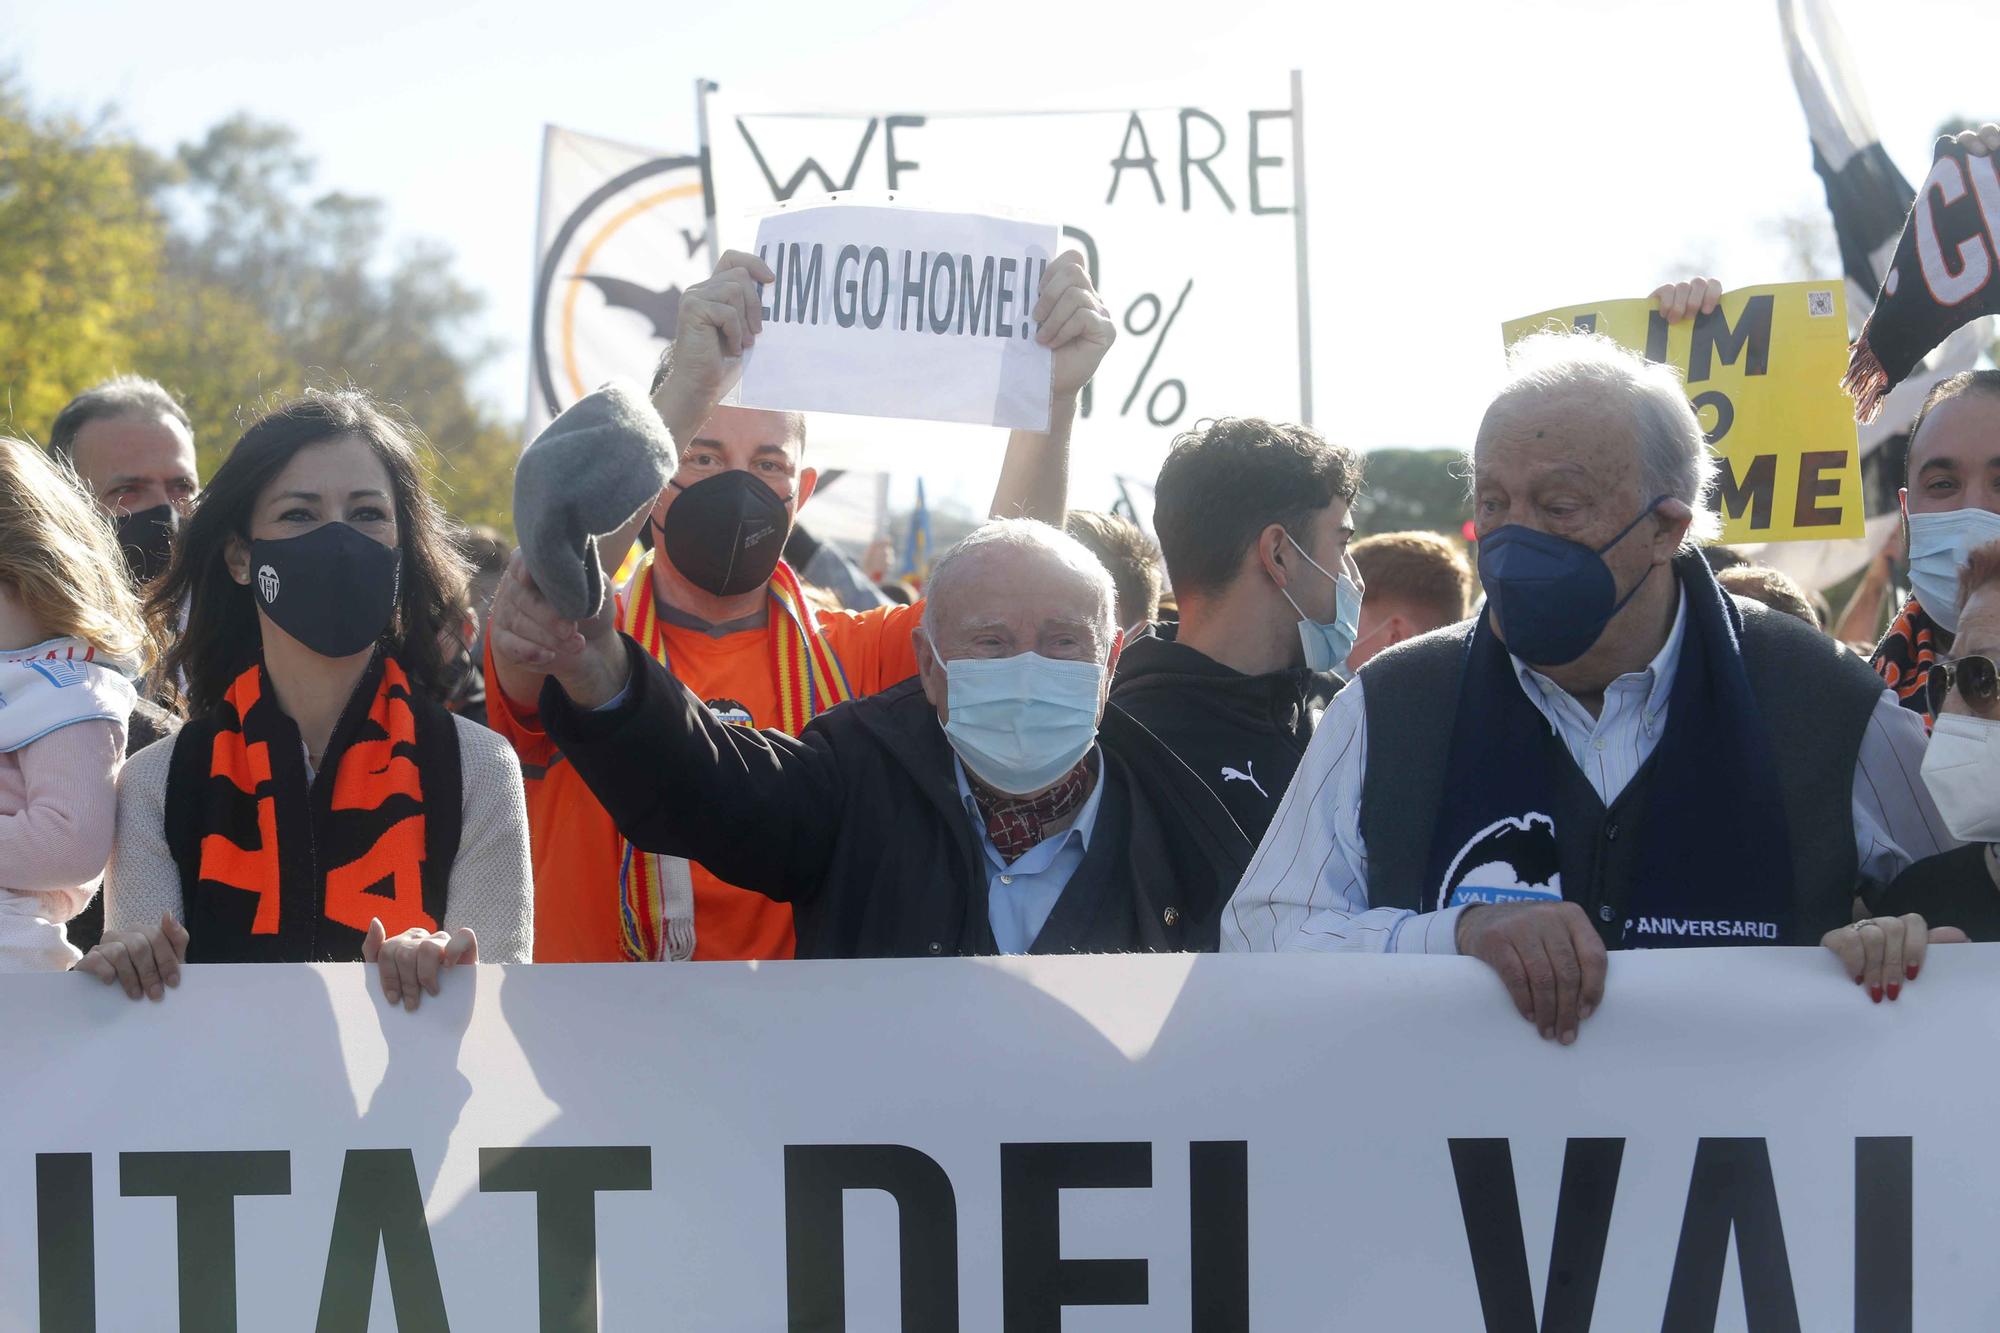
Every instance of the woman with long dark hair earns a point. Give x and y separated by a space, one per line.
319 805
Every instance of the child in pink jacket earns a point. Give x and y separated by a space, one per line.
70 638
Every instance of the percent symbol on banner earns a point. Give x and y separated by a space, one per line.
1132 326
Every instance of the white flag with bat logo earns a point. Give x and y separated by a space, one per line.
623 230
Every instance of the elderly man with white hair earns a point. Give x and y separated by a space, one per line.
993 804
1614 754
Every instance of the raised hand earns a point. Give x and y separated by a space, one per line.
1074 324
1684 300
719 319
1981 142
530 640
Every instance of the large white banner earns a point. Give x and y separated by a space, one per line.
1183 215
622 231
1738 1141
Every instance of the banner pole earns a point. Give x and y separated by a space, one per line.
1299 245
702 88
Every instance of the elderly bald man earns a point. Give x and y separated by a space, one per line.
1616 754
995 803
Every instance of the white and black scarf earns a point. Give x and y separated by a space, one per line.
1946 273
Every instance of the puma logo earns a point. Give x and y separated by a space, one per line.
1249 775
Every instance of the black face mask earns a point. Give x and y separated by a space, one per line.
332 589
147 539
726 532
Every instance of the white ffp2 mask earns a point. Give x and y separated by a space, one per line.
1962 770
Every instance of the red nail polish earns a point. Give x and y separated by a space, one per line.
1895 989
1910 972
1859 980
1875 994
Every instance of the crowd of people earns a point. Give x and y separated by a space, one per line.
294 714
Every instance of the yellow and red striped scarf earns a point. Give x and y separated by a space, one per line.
656 903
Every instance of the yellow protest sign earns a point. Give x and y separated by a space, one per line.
1763 373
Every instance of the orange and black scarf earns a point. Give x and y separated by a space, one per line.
1903 658
656 893
275 868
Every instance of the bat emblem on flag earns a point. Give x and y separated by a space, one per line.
662 307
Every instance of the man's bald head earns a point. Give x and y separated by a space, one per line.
1018 585
1580 401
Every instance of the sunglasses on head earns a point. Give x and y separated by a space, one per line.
1976 679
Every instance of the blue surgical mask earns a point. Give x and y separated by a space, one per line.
1552 596
1327 643
1940 545
1020 722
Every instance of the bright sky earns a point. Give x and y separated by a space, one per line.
1468 161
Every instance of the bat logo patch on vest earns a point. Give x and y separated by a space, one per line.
1509 861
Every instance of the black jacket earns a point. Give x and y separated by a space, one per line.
858 823
1242 734
1950 889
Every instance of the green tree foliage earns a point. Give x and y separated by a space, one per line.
314 269
80 250
224 274
1405 489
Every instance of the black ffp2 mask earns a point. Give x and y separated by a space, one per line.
726 532
333 589
147 539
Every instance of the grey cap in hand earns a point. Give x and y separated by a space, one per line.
588 474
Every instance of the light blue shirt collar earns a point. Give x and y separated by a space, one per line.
1657 679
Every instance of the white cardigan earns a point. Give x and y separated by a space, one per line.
491 887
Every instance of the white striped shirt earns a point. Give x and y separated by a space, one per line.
1307 887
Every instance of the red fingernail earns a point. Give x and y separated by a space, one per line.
1911 972
1859 980
1875 994
1895 989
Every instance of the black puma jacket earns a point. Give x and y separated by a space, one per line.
1242 734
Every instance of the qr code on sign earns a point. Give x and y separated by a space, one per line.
1819 304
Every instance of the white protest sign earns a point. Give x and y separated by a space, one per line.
622 231
901 312
1738 1141
1183 214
